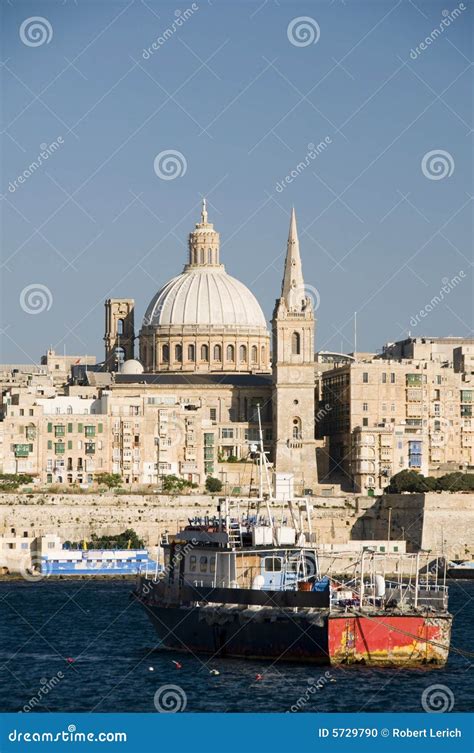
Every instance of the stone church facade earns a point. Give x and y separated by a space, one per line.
205 363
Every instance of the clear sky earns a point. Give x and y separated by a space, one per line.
239 90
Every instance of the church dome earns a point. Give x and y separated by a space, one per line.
205 296
132 366
204 320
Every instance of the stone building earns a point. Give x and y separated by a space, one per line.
190 405
383 415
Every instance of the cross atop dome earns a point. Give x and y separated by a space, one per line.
204 212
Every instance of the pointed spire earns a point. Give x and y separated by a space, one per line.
292 289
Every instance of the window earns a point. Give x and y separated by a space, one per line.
296 343
272 564
227 433
365 422
392 378
254 354
69 409
217 353
242 353
365 377
59 431
203 564
414 454
414 380
213 414
230 353
384 377
365 407
191 353
165 353
438 379
120 327
90 431
178 353
204 353
296 428
212 564
192 563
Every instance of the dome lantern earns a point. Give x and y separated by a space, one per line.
203 243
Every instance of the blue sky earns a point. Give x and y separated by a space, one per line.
240 101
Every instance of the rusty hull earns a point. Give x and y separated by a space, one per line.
382 640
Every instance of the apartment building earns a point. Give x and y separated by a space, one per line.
383 415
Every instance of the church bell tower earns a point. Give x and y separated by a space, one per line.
293 327
119 335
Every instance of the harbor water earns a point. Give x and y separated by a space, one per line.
83 645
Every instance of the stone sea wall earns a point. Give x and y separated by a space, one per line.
442 522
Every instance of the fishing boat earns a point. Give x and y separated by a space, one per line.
243 584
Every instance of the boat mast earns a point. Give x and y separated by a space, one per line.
263 468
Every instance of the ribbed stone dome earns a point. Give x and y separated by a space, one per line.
205 296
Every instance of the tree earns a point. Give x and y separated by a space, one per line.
128 539
410 481
407 481
213 484
172 484
112 480
11 481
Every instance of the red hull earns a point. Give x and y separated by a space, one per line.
388 640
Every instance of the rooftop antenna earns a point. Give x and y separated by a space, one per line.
355 335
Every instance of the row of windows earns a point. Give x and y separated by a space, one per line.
216 353
200 256
206 564
60 429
